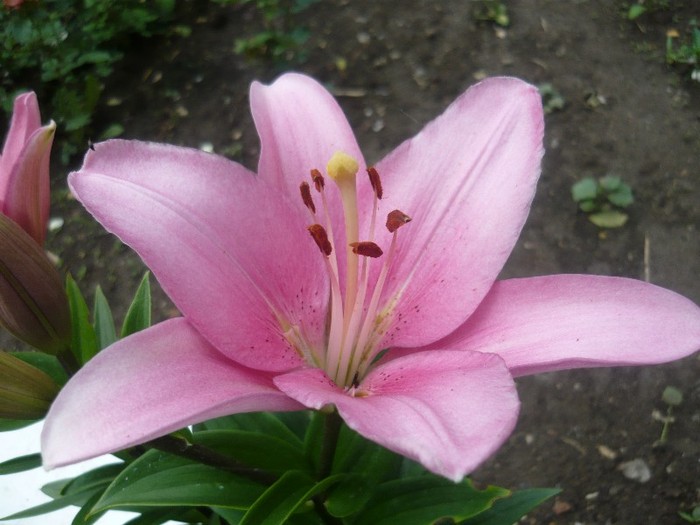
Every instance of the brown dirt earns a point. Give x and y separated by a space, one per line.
406 60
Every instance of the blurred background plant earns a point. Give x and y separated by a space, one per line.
64 49
603 200
280 39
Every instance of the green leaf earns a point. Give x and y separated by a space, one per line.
84 515
283 498
622 196
635 11
423 500
104 321
84 340
509 510
610 183
672 396
350 495
138 316
256 449
261 422
8 425
50 506
585 189
608 219
588 205
20 464
160 479
77 491
48 364
112 131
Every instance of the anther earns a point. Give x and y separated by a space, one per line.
306 196
320 236
375 181
396 219
317 179
366 249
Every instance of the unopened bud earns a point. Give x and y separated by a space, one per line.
33 303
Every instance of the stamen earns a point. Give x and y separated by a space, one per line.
317 179
375 181
306 196
366 248
395 220
320 236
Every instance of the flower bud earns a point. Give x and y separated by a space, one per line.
26 392
33 303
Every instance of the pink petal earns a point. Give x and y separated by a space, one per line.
27 198
25 120
571 321
300 126
230 251
447 410
467 180
146 386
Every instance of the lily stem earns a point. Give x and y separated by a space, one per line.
201 454
331 430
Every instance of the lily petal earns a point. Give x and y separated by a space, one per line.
467 180
231 252
300 126
27 200
145 386
448 410
25 120
558 322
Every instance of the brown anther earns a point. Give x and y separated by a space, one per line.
317 178
375 181
395 220
366 249
320 236
306 196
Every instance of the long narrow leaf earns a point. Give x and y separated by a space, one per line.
424 500
159 479
20 464
284 497
138 316
83 339
104 321
509 510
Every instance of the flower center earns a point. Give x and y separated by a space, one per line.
356 324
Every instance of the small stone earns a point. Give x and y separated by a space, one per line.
636 470
561 507
363 38
607 452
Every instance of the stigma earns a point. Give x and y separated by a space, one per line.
356 321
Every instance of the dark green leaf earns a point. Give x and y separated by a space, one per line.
84 341
7 425
84 515
138 316
509 510
44 508
159 479
104 321
588 206
256 449
423 500
261 422
20 464
349 496
283 498
635 11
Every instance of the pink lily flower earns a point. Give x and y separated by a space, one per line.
24 168
278 319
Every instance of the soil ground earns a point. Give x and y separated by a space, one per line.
395 65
